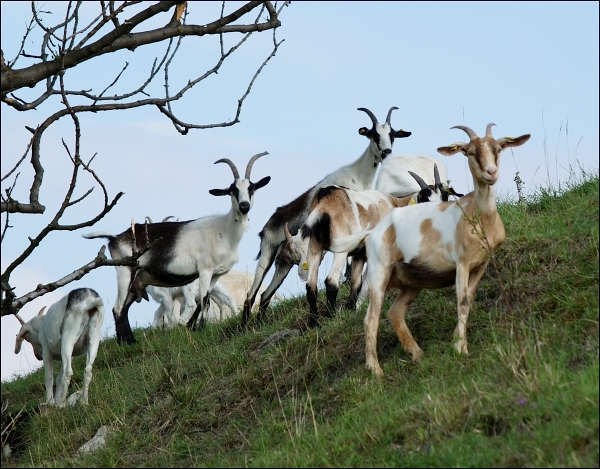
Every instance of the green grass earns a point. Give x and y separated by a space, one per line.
526 396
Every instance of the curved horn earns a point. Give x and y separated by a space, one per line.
469 132
236 175
251 162
422 184
389 116
41 311
20 320
166 218
370 114
488 129
149 220
436 176
288 236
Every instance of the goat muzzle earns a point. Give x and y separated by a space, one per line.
244 207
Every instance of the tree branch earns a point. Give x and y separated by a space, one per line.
122 38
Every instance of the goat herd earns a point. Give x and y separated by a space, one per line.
408 247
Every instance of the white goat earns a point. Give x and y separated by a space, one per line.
70 328
394 178
205 248
178 303
337 212
434 246
358 175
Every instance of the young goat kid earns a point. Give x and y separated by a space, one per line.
337 212
434 246
358 175
70 328
205 248
178 303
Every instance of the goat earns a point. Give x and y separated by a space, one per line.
336 212
205 248
394 178
70 328
358 175
434 246
178 303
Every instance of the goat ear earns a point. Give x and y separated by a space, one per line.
506 142
402 133
451 149
363 131
451 191
20 338
219 191
262 183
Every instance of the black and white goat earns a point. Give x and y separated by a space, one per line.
71 327
205 248
358 175
337 212
434 246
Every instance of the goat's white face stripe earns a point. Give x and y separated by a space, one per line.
243 186
384 142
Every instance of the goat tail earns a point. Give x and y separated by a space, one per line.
349 243
99 234
93 306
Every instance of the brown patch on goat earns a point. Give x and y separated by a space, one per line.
443 206
419 274
476 246
433 268
369 216
393 254
389 239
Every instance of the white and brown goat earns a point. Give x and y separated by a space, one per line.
434 246
337 212
205 248
358 175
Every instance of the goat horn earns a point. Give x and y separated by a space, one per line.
166 218
370 114
436 176
149 220
251 162
469 132
389 116
20 320
488 129
41 310
236 175
422 184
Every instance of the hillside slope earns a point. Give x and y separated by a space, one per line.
526 396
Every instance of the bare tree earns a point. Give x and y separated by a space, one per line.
81 35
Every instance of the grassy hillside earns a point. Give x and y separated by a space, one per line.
527 395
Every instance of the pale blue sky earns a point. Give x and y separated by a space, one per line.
529 67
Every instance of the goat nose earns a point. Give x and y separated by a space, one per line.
244 207
492 171
387 151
